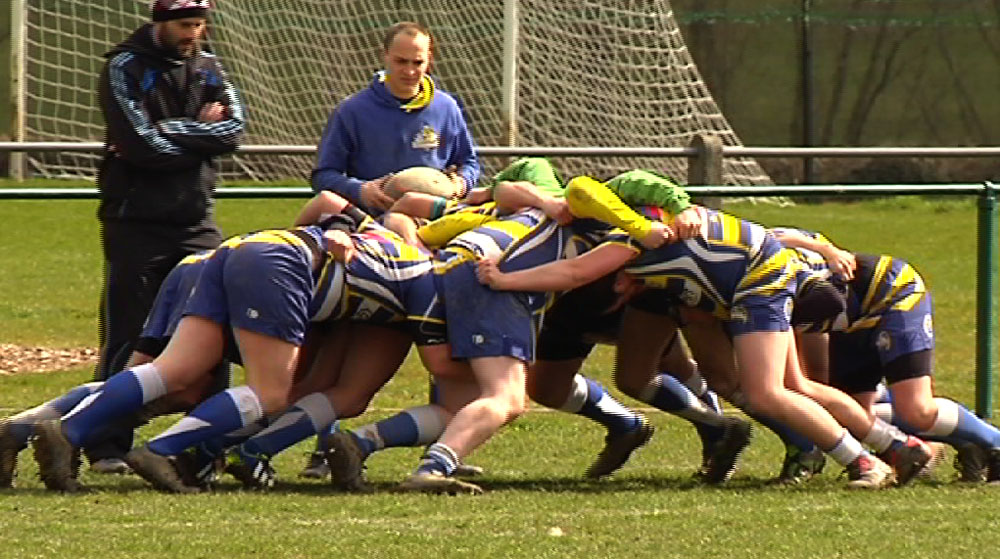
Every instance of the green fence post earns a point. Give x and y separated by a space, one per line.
986 307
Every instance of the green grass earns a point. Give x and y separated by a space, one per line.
51 267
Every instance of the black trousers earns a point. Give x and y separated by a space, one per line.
137 259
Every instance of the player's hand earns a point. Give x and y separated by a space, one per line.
477 196
660 235
212 112
688 223
338 243
451 171
373 197
489 274
841 262
558 210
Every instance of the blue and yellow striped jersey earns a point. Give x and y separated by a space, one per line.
734 259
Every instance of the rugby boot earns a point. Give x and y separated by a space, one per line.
467 470
9 448
438 483
971 463
347 463
255 472
110 466
158 470
869 472
994 465
199 468
725 455
618 448
58 461
316 466
940 453
907 458
800 467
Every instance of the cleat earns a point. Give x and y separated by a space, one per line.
939 453
58 461
316 467
799 467
869 472
110 466
158 470
255 472
467 470
907 458
725 455
199 468
971 463
993 470
9 448
618 448
438 483
347 463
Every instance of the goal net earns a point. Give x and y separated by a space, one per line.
610 73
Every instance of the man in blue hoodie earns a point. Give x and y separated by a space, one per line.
401 120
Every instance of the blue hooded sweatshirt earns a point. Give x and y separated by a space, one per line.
372 133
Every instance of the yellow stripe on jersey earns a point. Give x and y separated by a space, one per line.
880 270
780 262
196 257
272 236
589 198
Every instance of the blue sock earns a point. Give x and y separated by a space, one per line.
666 393
307 417
226 411
215 446
321 445
589 399
788 436
602 408
954 425
22 425
123 393
409 428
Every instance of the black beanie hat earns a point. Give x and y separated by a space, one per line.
165 10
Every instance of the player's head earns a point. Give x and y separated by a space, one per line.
181 24
407 51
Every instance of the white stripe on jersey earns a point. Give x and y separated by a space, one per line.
682 267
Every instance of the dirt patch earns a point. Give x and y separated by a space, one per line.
25 359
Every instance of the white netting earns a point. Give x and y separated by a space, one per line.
590 73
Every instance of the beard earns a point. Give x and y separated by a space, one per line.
183 48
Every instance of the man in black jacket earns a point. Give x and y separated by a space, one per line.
169 110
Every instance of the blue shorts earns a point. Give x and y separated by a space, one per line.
168 307
483 322
898 347
764 298
263 287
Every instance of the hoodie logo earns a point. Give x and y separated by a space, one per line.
427 139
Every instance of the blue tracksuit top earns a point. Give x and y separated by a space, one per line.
369 135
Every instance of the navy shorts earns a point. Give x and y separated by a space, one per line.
483 322
262 287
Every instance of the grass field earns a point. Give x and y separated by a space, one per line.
536 504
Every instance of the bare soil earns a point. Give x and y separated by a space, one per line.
24 359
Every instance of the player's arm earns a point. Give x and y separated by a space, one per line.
841 262
589 198
512 196
325 204
337 148
419 204
643 188
463 164
560 275
444 229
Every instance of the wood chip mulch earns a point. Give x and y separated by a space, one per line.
25 359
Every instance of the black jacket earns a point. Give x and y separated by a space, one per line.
157 168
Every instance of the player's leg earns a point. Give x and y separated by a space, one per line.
365 365
761 359
558 385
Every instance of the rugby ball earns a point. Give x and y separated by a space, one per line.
427 180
